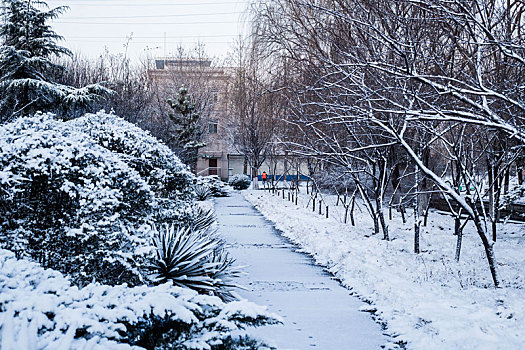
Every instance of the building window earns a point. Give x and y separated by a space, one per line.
212 127
215 95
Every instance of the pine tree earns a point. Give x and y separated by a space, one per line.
26 65
188 133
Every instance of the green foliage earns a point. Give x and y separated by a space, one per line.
193 258
182 257
202 220
65 199
153 160
202 192
214 183
39 306
240 181
187 134
26 67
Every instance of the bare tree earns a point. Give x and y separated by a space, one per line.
254 107
413 72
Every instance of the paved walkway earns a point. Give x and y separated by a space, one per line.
318 312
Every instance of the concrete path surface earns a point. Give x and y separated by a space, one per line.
318 312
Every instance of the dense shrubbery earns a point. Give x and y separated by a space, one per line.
64 201
80 202
214 184
240 181
154 161
40 309
79 197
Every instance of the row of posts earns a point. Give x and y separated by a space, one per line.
293 197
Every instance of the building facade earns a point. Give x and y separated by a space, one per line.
209 85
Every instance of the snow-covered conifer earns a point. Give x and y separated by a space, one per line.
26 63
187 132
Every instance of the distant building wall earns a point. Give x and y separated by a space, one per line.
170 73
276 167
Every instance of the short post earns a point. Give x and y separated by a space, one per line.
288 196
319 207
313 205
327 211
296 199
292 197
283 193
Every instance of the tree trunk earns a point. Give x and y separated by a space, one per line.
459 233
489 247
417 223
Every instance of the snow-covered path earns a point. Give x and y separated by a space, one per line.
318 312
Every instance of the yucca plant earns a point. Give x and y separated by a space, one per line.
203 220
202 192
182 257
193 259
223 274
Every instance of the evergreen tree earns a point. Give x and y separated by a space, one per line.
26 65
188 134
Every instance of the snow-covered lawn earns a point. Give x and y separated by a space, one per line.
427 300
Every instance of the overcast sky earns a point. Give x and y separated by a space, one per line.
156 27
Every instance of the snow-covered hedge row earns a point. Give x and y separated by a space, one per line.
240 181
64 201
154 161
40 309
214 184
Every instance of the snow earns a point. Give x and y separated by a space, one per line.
40 309
429 300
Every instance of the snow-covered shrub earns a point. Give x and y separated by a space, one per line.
214 183
240 181
65 200
40 309
194 259
155 162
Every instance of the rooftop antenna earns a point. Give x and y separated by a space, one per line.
164 46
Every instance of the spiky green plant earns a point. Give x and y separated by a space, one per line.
223 275
203 220
202 192
182 257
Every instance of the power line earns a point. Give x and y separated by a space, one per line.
152 37
139 23
149 42
160 16
127 4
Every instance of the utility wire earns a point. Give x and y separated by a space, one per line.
153 37
160 16
150 42
127 4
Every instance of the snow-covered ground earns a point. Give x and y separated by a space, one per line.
427 300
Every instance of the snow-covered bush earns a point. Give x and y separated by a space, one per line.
40 309
214 183
64 201
240 181
155 162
